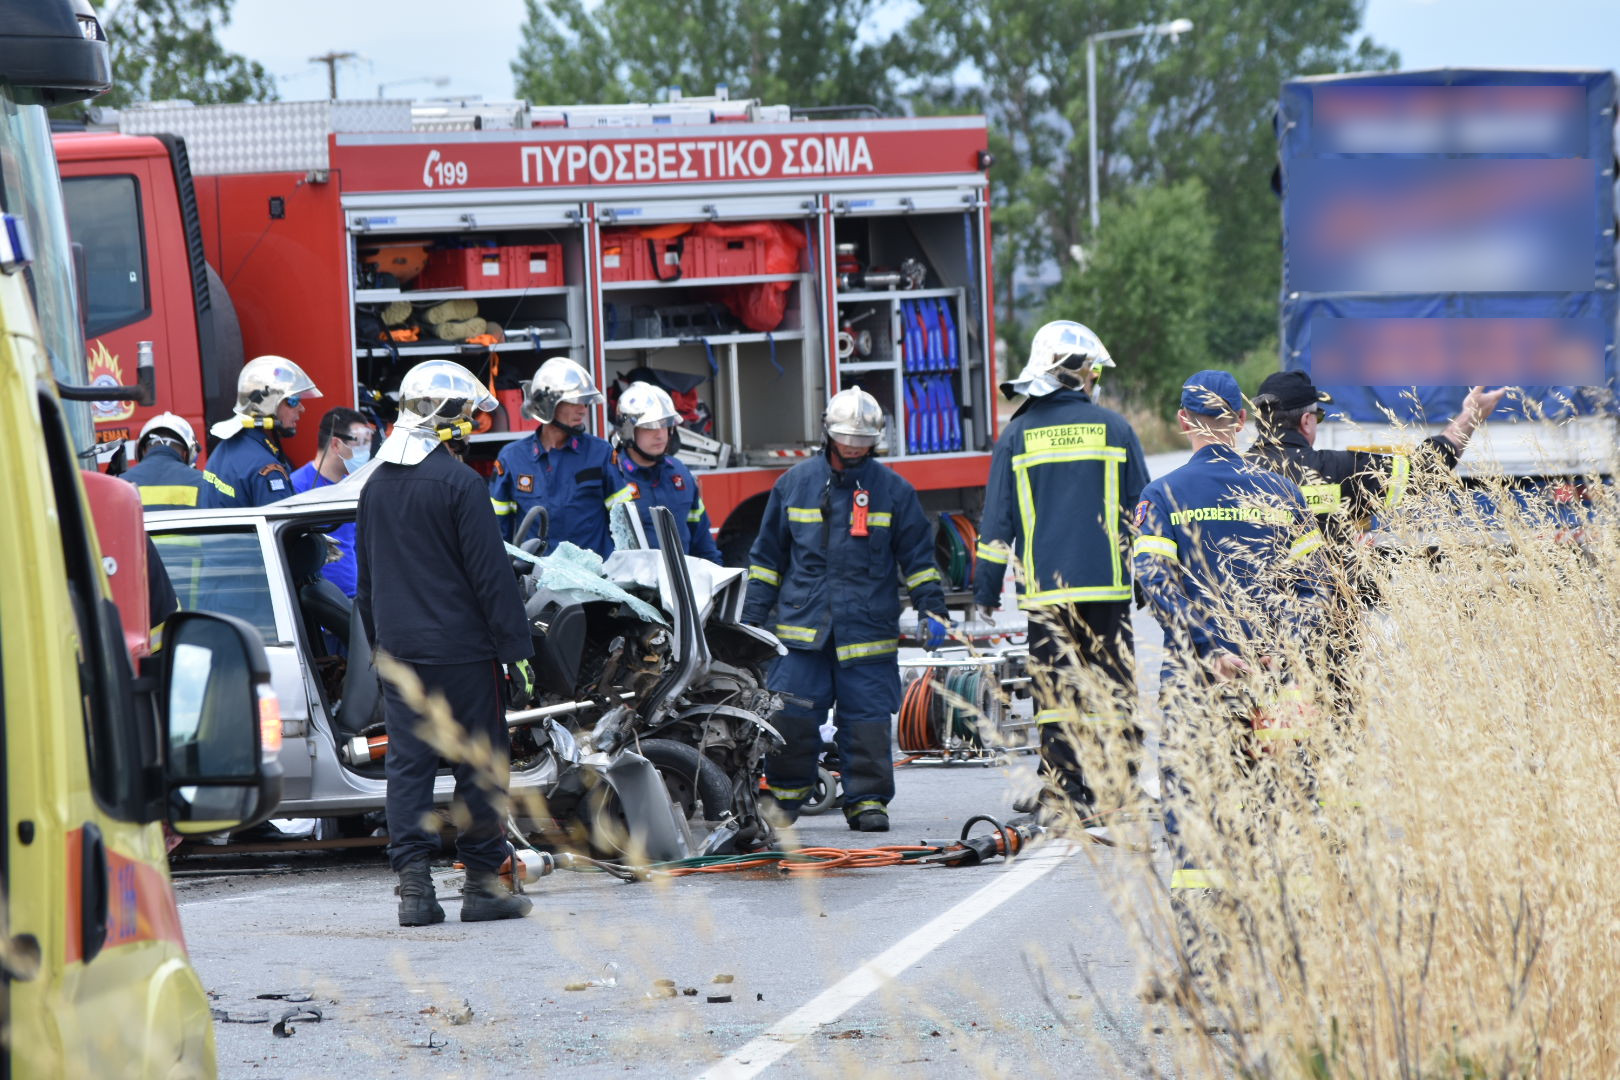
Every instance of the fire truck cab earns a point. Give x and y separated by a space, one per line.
752 261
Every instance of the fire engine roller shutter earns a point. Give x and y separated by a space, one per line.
458 211
736 208
912 201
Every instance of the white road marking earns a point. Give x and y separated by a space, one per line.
780 1038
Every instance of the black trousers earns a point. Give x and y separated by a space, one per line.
1067 639
476 700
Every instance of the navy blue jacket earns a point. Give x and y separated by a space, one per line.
248 469
1220 543
577 483
167 483
668 482
1063 477
435 583
827 585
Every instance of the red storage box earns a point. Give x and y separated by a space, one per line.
533 266
512 404
731 256
464 268
630 255
619 258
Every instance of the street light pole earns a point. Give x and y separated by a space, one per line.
1173 29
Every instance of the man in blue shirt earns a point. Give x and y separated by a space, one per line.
647 439
346 439
561 467
248 468
166 476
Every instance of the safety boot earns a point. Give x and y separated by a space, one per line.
418 904
484 898
873 819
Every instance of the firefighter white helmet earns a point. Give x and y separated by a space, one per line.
436 401
173 425
264 383
559 381
643 405
1058 355
853 417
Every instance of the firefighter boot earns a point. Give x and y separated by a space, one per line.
484 898
418 904
868 815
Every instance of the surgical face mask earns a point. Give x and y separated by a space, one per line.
357 459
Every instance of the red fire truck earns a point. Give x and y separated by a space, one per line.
753 259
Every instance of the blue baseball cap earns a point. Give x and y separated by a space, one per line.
1212 393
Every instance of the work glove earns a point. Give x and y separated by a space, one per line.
933 630
519 685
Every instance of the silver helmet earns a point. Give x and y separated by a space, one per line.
1058 354
559 381
643 405
854 417
436 401
173 425
264 383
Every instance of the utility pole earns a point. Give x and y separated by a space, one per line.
331 60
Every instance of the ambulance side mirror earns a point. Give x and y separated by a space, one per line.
221 727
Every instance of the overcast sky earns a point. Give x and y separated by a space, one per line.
471 43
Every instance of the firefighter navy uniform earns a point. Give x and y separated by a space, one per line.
166 482
436 591
668 482
577 483
248 469
1221 545
837 608
1063 479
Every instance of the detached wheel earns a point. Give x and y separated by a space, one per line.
823 795
691 778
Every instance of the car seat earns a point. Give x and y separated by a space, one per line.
325 608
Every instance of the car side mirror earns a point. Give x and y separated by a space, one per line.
221 725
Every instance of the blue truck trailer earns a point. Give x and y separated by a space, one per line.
1451 228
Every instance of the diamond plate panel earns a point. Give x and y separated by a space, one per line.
269 137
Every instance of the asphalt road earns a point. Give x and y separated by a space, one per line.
990 971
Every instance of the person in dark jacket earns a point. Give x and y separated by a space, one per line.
248 468
166 476
562 467
436 592
1063 479
839 531
645 442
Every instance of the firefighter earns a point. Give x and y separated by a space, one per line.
645 443
1063 478
436 591
561 467
837 529
166 476
1227 556
248 467
1346 489
345 448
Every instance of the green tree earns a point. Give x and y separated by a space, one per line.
165 49
795 52
1167 111
1148 288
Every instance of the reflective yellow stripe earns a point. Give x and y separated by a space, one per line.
1400 471
863 805
804 513
1323 498
880 519
1188 878
623 495
790 792
765 574
503 508
994 551
1084 594
697 513
1305 545
167 494
224 488
795 633
155 638
922 577
868 648
1107 455
1155 545
1075 716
